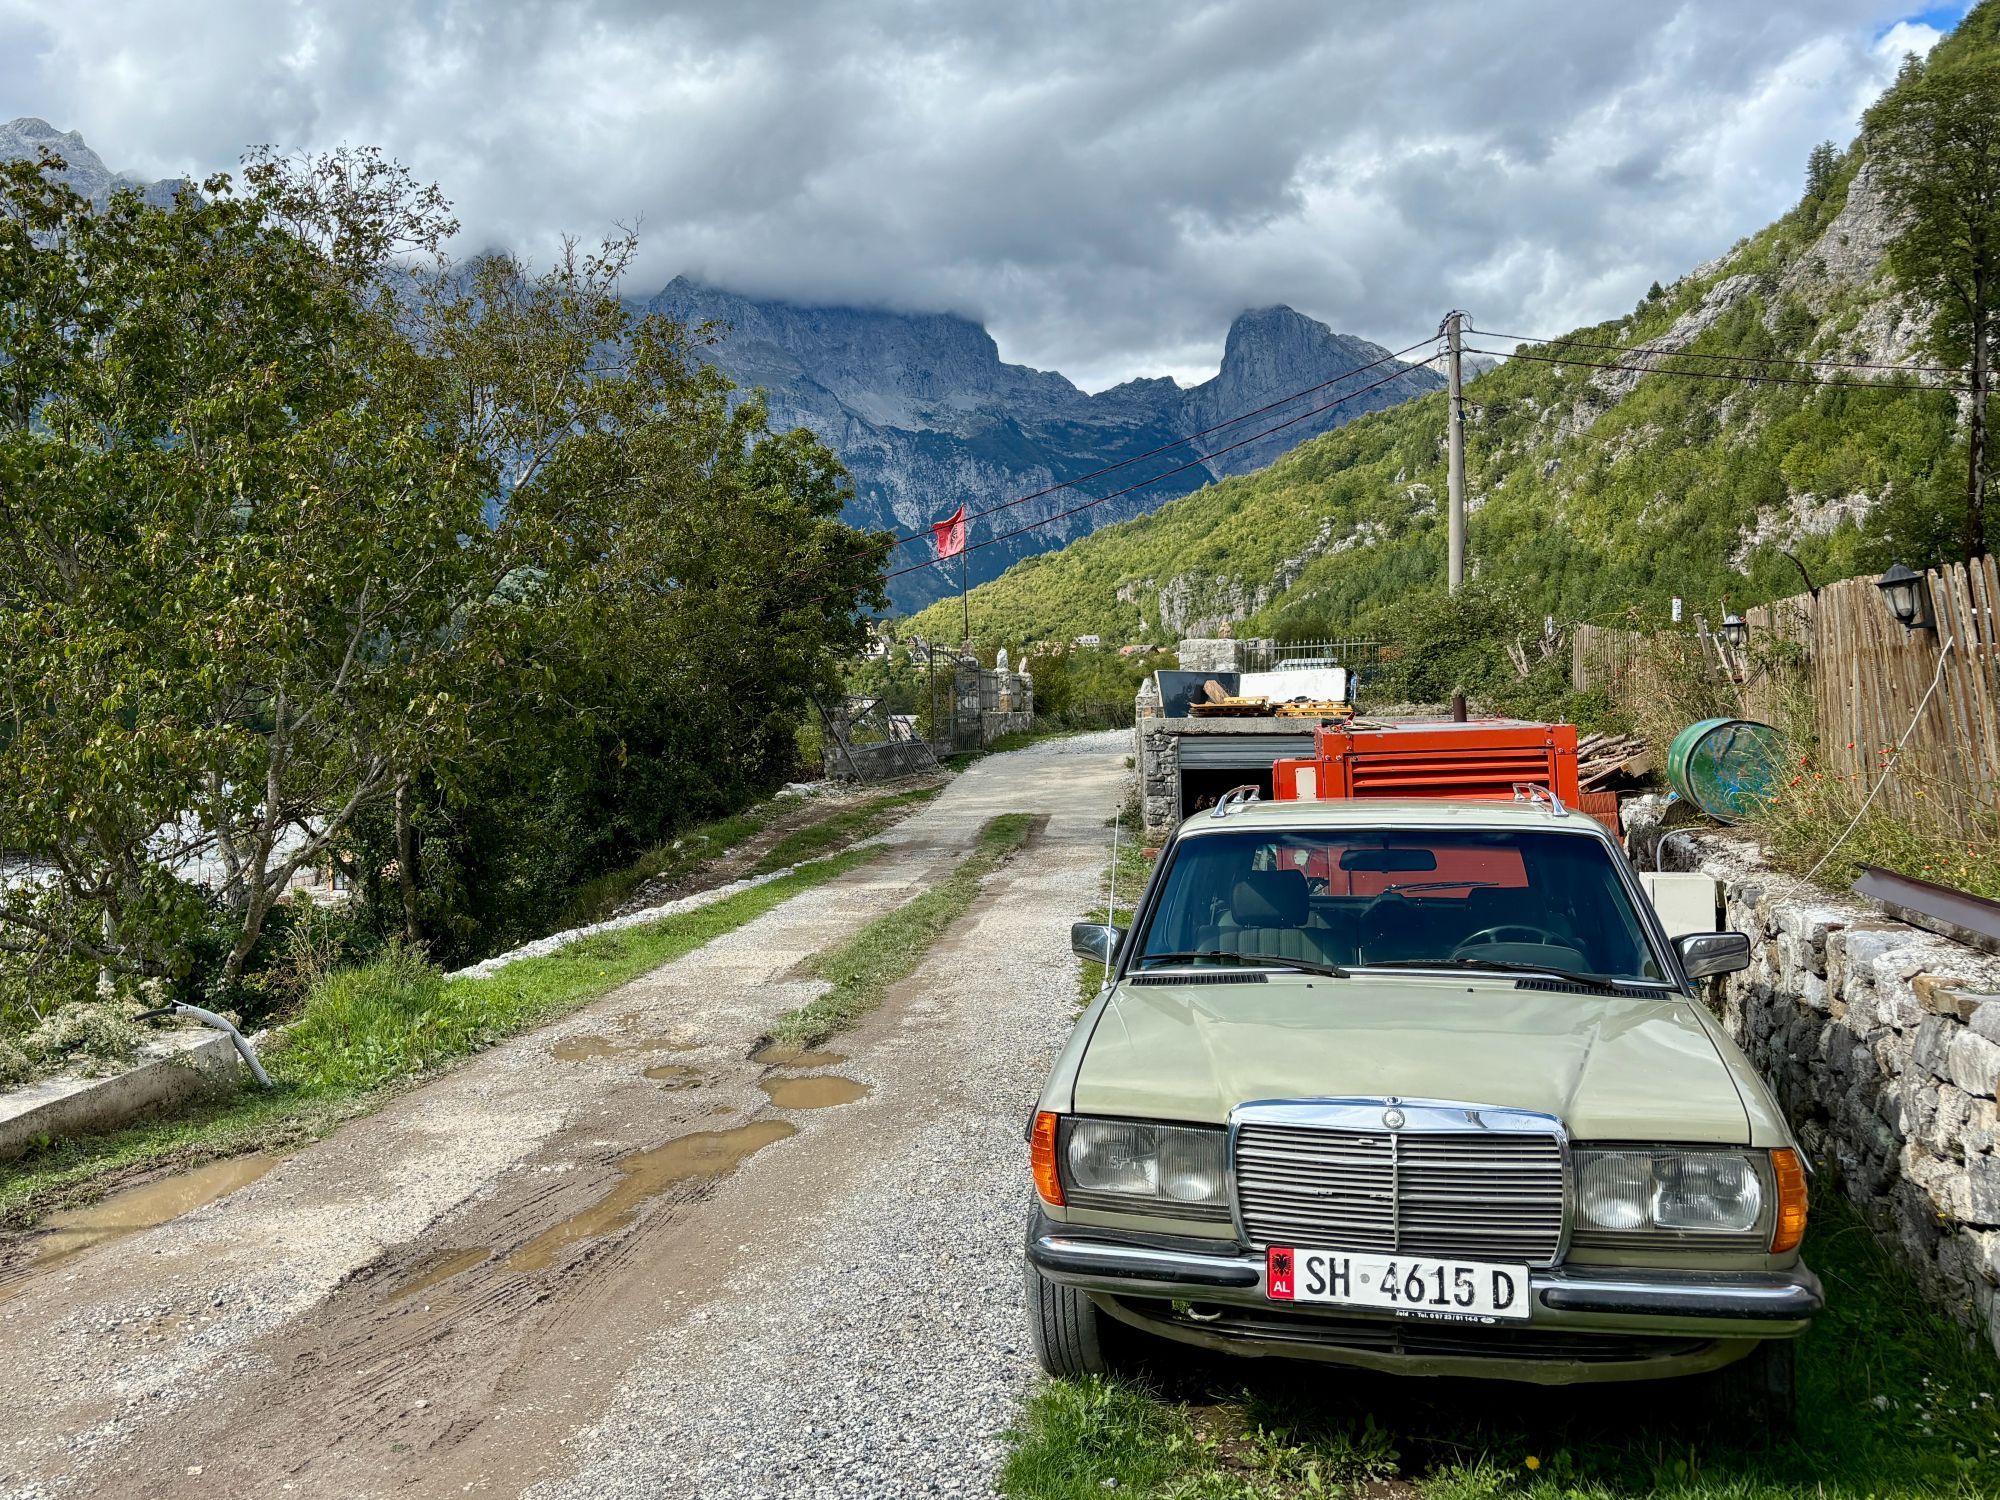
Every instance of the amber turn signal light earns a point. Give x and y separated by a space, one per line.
1042 1151
1791 1175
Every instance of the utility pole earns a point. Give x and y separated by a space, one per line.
1455 455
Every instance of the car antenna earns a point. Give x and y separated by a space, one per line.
1111 909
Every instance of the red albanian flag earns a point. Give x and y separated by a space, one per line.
949 534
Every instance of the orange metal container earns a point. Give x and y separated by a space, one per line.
1482 760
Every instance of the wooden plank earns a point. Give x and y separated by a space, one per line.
1979 656
1949 723
1966 763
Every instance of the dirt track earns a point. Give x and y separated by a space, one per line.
601 1259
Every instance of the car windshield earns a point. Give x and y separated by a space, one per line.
1348 898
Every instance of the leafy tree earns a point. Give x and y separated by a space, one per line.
308 547
1935 139
1822 170
236 548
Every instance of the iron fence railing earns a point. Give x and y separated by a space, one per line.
1264 656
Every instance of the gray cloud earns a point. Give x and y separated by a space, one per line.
1104 184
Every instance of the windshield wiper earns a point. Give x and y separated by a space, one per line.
1259 960
1494 966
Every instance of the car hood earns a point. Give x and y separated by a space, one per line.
1610 1067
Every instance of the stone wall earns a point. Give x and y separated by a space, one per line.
1882 1042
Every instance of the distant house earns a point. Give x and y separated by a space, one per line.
1089 640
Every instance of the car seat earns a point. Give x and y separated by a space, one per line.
1270 916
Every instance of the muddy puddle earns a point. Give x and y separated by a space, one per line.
781 1055
590 1048
135 1208
645 1175
442 1266
822 1091
675 1075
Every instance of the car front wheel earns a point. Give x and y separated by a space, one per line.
1759 1392
1072 1335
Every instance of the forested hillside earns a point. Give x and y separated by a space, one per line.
1591 491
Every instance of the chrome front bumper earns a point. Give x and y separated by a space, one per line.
1730 1305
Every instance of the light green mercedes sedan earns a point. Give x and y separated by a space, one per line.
1422 1087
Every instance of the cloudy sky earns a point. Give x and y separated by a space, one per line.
1104 183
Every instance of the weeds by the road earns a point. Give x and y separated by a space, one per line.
848 826
600 896
1125 878
1895 1401
822 829
367 1030
890 947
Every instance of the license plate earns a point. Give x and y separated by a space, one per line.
1456 1290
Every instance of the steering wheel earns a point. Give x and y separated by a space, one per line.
1511 932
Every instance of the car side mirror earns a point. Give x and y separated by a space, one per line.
1705 953
1096 941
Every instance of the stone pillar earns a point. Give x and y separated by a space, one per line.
1206 654
1145 705
966 721
1159 777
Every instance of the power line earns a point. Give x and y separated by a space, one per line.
1179 442
1654 352
1741 379
1155 479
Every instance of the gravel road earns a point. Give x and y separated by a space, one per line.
602 1260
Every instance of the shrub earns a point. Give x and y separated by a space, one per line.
15 1068
92 1038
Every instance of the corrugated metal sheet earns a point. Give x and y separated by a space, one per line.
1239 752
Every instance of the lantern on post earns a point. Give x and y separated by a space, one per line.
1908 598
1736 631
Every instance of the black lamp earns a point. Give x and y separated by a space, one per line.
1906 596
1736 631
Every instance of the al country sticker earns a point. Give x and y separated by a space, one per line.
1278 1267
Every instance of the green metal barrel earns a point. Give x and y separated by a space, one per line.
1726 767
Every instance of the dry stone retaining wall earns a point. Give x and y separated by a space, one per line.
1883 1044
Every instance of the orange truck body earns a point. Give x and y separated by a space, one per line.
1483 760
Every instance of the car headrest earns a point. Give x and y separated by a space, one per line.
1270 898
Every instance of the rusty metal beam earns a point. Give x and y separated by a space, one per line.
1945 910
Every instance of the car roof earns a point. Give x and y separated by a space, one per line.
1332 813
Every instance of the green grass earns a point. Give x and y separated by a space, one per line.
891 946
847 826
600 896
367 1030
1134 867
1281 1429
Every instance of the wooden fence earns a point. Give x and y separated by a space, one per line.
1866 677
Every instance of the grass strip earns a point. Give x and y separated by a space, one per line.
601 895
890 947
1895 1400
849 825
367 1031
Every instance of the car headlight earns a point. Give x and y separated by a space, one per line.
1159 1167
1691 1192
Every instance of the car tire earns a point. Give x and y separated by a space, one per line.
1759 1392
1071 1334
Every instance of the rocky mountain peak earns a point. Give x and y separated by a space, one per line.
84 171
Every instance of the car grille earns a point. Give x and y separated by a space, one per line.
1480 1195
